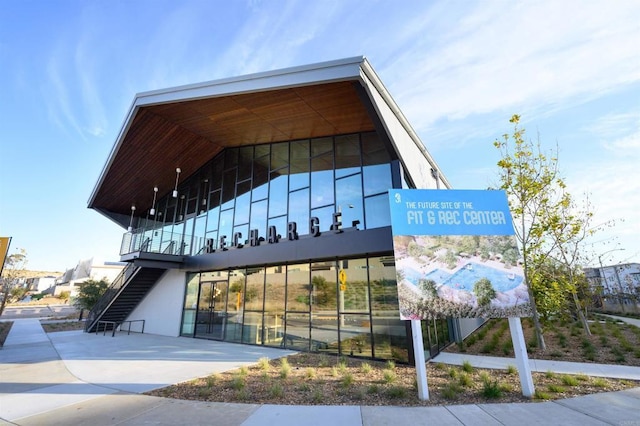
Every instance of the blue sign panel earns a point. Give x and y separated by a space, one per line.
456 255
449 212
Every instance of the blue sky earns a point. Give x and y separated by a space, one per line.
458 69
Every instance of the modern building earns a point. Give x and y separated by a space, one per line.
85 270
617 285
257 212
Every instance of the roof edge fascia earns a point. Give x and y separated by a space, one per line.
372 77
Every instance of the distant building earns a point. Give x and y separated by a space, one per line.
89 269
616 283
40 284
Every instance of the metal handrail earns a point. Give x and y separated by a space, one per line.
109 295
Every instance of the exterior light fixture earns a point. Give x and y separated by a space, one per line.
204 196
153 206
130 228
175 190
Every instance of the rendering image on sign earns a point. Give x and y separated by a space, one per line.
456 255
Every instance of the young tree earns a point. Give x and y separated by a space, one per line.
90 292
531 182
14 268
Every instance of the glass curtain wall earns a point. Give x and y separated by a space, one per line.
255 187
340 306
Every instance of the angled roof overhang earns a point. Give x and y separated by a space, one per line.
187 126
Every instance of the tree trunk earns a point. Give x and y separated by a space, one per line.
581 315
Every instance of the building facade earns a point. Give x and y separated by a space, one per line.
618 286
257 212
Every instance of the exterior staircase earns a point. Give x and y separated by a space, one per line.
122 296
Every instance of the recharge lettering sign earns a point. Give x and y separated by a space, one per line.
456 255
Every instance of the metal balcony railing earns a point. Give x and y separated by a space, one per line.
150 242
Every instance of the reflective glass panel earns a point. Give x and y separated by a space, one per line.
242 203
347 155
299 167
244 163
233 328
322 181
321 146
325 215
297 331
228 188
259 218
389 332
377 179
260 178
298 287
254 292
355 296
279 155
190 305
278 195
274 300
377 211
299 210
252 330
226 226
281 226
373 150
355 335
349 200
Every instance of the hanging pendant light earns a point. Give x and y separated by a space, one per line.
130 228
175 191
153 206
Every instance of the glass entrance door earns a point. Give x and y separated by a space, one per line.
212 310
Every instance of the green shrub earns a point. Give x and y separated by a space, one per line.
467 367
396 392
451 391
465 380
263 364
310 373
389 376
541 395
569 380
276 390
285 368
491 389
555 388
347 380
238 382
511 369
366 368
600 383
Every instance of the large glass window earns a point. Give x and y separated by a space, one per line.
252 187
341 306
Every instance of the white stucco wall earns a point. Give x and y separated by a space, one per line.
162 307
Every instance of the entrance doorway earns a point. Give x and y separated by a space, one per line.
212 310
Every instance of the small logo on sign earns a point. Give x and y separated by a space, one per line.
398 198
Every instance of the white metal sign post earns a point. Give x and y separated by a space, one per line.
418 354
522 359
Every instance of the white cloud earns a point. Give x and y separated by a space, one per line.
505 55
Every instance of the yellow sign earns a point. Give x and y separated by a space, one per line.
4 249
342 276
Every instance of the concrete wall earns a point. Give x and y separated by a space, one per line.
162 307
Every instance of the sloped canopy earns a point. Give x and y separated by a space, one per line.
187 126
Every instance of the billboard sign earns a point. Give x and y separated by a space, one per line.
456 255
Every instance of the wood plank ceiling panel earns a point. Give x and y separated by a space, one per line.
187 134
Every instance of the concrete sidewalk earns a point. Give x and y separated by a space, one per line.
74 378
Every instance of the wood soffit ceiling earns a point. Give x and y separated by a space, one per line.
188 134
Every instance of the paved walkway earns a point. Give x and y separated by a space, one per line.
74 378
